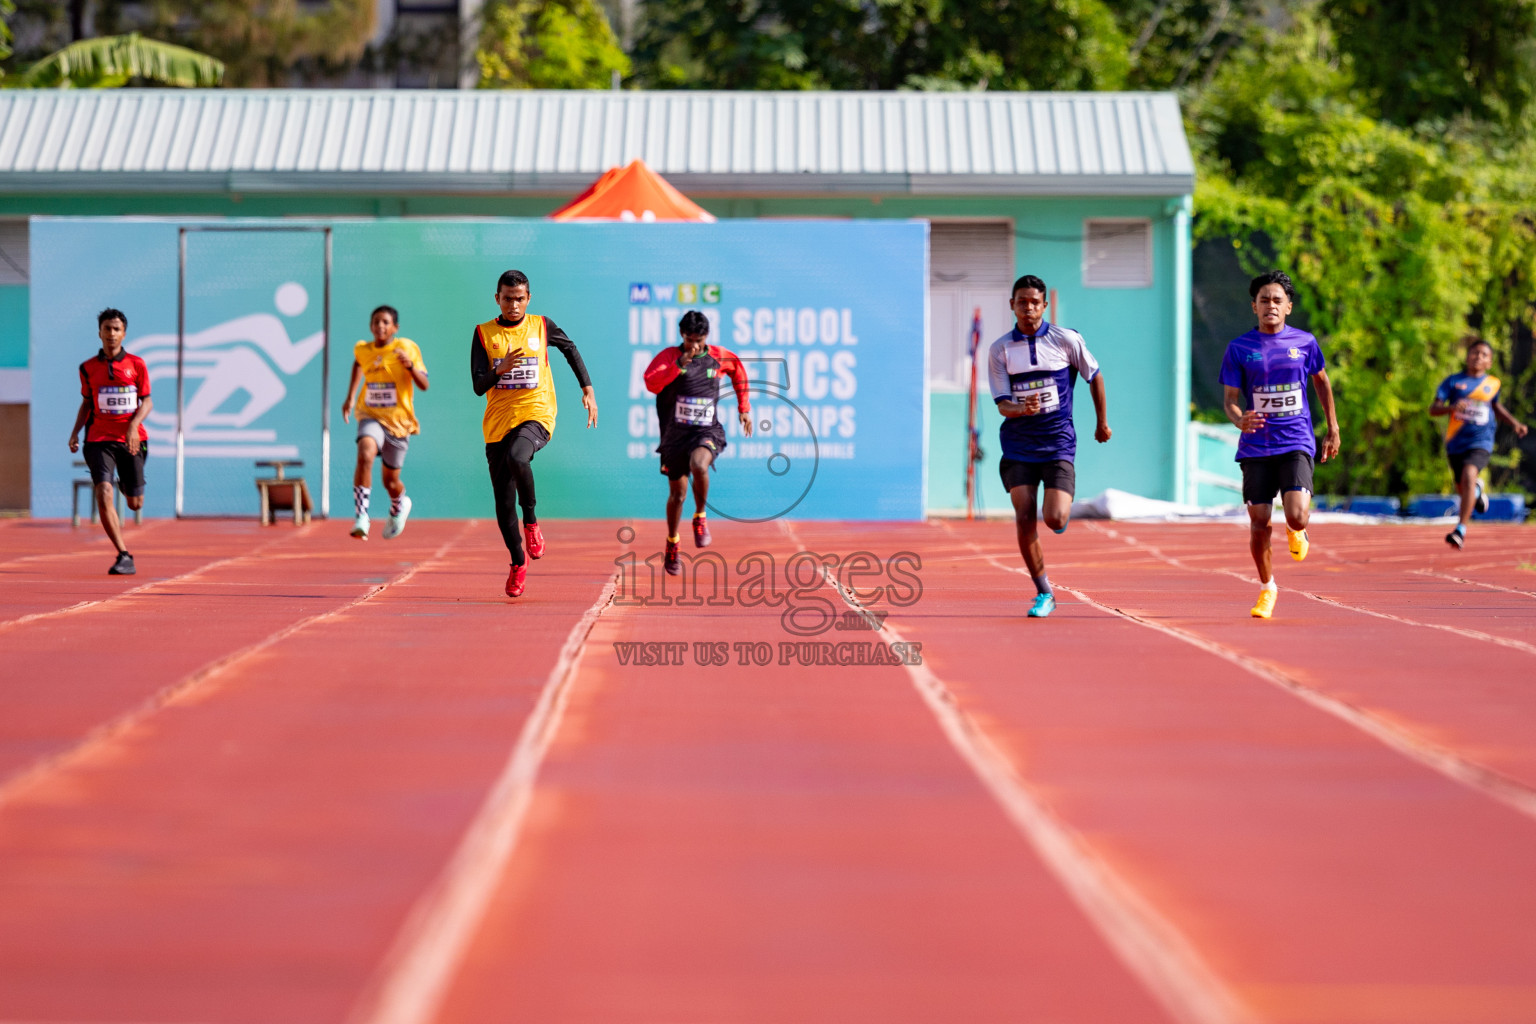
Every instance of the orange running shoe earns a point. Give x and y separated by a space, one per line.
534 538
517 579
1266 604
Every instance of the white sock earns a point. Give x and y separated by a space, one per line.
360 500
394 505
1270 586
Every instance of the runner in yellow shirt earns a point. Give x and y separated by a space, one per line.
389 369
509 364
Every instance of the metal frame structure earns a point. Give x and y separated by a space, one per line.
325 353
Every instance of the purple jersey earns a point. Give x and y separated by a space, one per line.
1046 365
1272 372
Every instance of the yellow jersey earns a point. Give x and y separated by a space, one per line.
525 391
388 393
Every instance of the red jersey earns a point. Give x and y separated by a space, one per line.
114 388
686 398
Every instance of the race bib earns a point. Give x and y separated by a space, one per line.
694 412
117 400
524 374
1475 413
1043 388
380 396
1280 399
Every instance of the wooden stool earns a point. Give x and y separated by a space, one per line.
280 493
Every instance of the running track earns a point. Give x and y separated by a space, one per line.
281 776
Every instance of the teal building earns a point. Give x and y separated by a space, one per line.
1089 191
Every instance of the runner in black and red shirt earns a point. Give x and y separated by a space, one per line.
114 399
686 382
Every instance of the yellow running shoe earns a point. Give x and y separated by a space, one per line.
1298 543
1266 604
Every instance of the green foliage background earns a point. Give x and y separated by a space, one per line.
1377 151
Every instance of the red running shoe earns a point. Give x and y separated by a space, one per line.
535 540
700 532
674 562
517 579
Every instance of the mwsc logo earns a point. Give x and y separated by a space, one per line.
684 293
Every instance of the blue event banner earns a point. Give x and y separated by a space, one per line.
828 318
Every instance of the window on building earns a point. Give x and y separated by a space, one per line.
970 268
1117 253
15 253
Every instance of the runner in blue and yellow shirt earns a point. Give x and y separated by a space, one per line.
1032 370
1264 376
1471 400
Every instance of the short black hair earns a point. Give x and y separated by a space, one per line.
693 322
394 314
112 314
511 279
1471 341
1278 277
1029 281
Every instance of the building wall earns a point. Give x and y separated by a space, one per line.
1139 335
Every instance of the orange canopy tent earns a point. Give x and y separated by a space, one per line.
634 192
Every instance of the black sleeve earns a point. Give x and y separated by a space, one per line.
480 365
567 348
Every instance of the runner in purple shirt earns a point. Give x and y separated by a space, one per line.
1264 376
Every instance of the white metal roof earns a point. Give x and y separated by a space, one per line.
707 143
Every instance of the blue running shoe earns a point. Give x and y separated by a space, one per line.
1043 606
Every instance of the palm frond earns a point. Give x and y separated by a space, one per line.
114 60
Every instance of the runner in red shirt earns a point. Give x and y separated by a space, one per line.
686 382
114 399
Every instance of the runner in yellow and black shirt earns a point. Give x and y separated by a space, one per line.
389 369
509 364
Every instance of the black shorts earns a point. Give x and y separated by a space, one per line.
677 451
527 438
1477 457
1268 475
1058 474
103 457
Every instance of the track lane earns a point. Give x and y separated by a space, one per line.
1324 877
1423 681
249 852
73 672
771 844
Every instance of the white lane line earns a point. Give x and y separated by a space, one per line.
413 980
1462 632
1510 792
180 690
1473 583
1155 951
183 578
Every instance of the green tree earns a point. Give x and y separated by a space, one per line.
879 44
1427 59
112 61
266 42
1399 242
1179 43
547 44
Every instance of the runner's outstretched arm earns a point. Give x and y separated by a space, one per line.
559 340
1504 414
1324 389
1101 433
481 373
346 407
80 418
663 370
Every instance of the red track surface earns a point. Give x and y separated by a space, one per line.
284 776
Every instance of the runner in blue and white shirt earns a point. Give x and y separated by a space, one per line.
1264 376
1032 369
